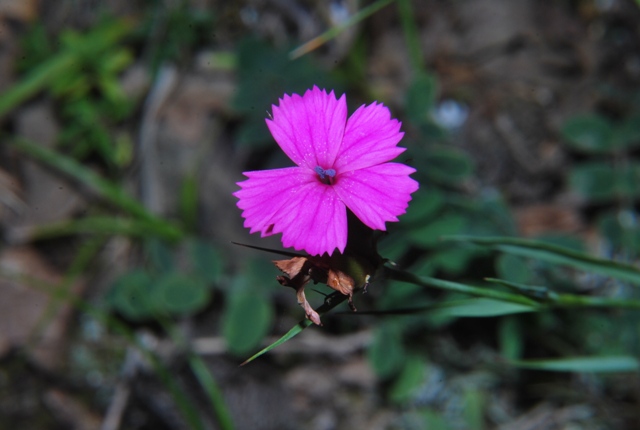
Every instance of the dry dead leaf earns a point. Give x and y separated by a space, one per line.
71 411
10 195
19 10
23 306
47 198
535 220
343 273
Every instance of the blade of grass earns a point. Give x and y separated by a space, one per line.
568 300
101 225
425 281
330 302
556 255
320 40
583 364
410 31
203 375
465 308
40 77
287 336
213 391
96 183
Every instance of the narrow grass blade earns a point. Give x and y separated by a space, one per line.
297 329
557 255
331 302
202 374
583 364
465 308
213 391
481 308
40 77
424 281
568 300
109 191
100 225
410 30
334 31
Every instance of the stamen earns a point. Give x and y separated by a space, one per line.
326 176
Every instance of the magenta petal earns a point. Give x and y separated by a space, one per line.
309 128
370 138
317 225
266 191
377 194
291 201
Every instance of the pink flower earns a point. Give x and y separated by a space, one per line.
340 163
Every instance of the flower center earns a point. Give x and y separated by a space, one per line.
326 176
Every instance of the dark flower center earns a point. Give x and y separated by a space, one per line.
326 176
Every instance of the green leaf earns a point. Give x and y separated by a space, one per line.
474 404
452 260
434 420
294 331
330 302
247 319
394 246
621 230
588 133
601 182
189 202
511 337
206 260
421 97
109 191
583 364
334 31
203 374
98 225
63 65
131 295
513 268
424 204
627 134
410 379
595 181
179 294
479 307
386 353
160 255
557 255
445 225
265 74
425 281
447 165
551 298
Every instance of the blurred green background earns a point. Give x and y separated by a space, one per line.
511 300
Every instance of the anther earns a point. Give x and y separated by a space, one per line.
326 176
